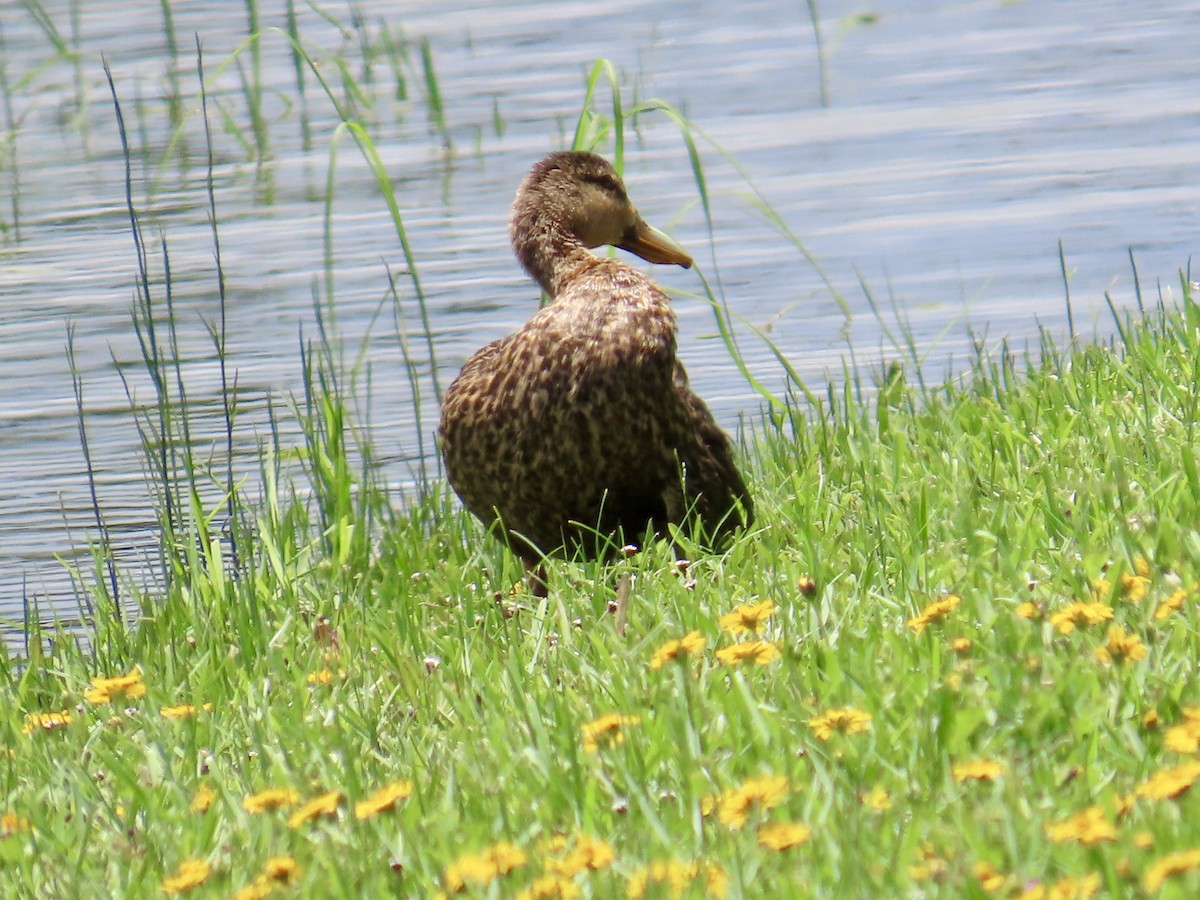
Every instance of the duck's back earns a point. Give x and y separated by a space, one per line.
572 426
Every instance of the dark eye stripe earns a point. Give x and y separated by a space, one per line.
606 183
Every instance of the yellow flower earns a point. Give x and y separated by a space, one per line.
204 799
761 652
1141 566
989 877
47 721
735 805
1120 647
259 889
1135 587
321 805
121 687
936 611
483 867
11 823
1064 889
960 645
847 720
929 864
588 854
1028 610
1088 827
607 730
748 618
693 642
783 835
678 877
1079 613
1123 804
1171 864
1171 604
1143 840
324 676
271 798
282 868
1166 784
1150 719
1185 737
977 770
183 711
877 799
550 887
383 799
192 873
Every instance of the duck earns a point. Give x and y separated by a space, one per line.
578 435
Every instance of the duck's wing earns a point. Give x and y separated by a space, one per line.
713 486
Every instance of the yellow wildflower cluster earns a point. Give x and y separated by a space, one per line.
1171 864
1120 647
677 877
588 854
783 835
322 805
733 807
989 877
930 864
1135 585
1185 737
1173 603
1029 610
760 652
47 721
483 867
877 798
1087 827
937 611
1064 889
121 687
550 887
1167 784
383 799
192 873
1080 613
279 871
691 643
204 798
607 730
11 823
977 770
749 618
846 720
271 798
183 711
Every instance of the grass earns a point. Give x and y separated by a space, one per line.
920 710
955 657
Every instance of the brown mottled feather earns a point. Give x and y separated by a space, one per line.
581 423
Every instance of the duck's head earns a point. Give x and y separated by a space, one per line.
580 196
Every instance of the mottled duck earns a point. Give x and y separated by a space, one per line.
578 433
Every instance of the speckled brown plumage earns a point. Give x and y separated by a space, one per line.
579 430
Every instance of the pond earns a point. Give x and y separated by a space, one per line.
944 154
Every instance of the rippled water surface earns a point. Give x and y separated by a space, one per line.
961 142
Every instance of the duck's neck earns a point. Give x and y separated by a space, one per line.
551 254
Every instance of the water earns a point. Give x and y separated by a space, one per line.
961 143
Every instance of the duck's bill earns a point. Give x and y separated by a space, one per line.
654 246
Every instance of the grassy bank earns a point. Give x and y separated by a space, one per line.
976 608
